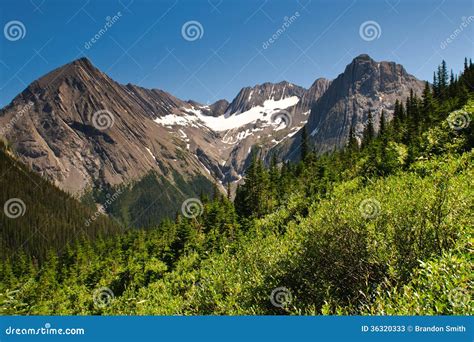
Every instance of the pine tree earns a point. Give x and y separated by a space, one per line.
428 104
274 175
252 198
383 138
352 144
228 190
443 80
435 85
382 125
369 131
304 143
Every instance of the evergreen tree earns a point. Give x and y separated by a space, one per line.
228 190
369 131
435 85
304 143
443 80
383 123
428 104
252 197
352 143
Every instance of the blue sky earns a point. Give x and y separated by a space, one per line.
145 44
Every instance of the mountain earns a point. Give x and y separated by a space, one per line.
263 115
37 217
83 131
381 229
250 97
365 84
79 128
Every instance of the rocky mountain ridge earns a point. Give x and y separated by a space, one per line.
81 129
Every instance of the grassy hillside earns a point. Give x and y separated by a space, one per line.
36 216
382 227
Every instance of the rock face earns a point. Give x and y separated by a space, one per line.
365 84
250 97
79 128
279 109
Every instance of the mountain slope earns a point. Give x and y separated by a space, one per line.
364 85
83 131
336 240
36 216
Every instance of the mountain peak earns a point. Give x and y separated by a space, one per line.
250 97
362 58
83 61
365 84
81 68
319 82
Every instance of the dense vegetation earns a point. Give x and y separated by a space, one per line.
44 217
381 227
139 206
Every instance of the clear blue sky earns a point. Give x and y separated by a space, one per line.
145 45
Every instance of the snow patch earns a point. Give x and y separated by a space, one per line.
229 121
151 154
